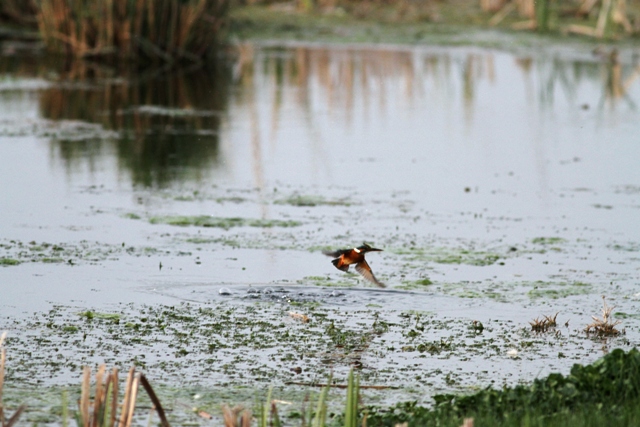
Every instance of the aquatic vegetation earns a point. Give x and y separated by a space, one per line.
8 261
14 252
607 389
310 201
444 255
544 324
604 326
218 222
16 415
548 240
558 290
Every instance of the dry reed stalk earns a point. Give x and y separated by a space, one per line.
526 8
502 13
84 396
585 7
127 397
604 18
132 401
154 399
604 326
530 24
491 5
23 12
98 399
581 29
164 29
245 418
228 416
114 397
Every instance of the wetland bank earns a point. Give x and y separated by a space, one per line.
174 220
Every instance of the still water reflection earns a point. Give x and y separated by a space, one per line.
169 123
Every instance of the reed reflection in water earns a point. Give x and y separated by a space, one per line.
345 75
167 121
382 102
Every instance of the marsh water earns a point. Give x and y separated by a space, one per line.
502 184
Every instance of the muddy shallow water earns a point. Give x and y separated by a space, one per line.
502 184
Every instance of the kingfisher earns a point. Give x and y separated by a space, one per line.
345 257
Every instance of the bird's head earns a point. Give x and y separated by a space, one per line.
366 248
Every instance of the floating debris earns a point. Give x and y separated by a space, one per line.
300 317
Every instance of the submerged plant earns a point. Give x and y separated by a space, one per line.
604 326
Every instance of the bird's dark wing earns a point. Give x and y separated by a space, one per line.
363 268
335 254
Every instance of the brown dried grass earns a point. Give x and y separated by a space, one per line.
544 324
603 326
102 411
155 29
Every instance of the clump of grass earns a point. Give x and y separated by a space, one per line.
604 326
544 324
154 29
102 412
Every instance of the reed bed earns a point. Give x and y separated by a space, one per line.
102 411
165 30
22 12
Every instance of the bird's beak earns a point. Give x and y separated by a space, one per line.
375 250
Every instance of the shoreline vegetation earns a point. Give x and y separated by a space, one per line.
170 31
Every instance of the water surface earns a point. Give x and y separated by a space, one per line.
502 184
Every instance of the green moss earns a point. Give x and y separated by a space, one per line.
218 222
309 201
9 261
548 240
559 290
415 284
442 255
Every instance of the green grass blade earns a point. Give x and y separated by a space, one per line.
351 410
321 409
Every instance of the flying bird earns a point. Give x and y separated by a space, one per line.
345 257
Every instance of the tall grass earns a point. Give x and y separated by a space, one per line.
102 411
22 12
153 29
